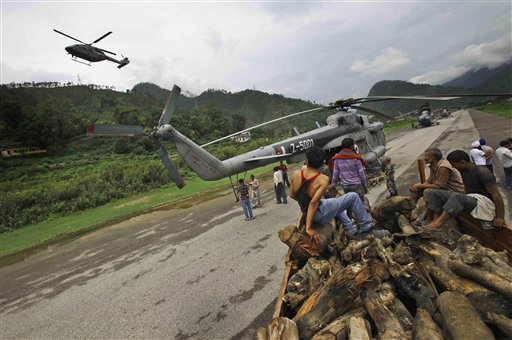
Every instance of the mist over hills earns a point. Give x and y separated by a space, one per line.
498 80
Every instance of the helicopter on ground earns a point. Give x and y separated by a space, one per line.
445 113
91 53
425 119
368 136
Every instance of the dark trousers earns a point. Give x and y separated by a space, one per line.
280 193
285 179
451 202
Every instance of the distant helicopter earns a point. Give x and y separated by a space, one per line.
369 137
91 53
425 119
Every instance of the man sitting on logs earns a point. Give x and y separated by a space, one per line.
308 187
442 176
482 199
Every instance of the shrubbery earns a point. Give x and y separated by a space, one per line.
114 180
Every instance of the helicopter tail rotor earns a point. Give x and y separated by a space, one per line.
123 62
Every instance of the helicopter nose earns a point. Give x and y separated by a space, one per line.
68 49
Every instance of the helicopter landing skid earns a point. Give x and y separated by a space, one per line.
80 62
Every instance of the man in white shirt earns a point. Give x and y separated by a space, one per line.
279 186
489 153
505 157
477 154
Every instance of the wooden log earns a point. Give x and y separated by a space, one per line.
495 239
486 279
471 252
418 289
338 329
405 226
387 323
461 318
386 256
282 329
358 329
306 281
437 252
424 328
419 211
333 299
402 254
387 295
261 333
303 247
502 322
402 314
385 213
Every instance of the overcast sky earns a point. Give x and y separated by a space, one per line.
319 51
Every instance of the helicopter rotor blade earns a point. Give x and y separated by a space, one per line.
114 130
64 34
263 124
169 107
376 113
171 169
105 51
103 36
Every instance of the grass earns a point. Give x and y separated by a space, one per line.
35 236
399 124
503 108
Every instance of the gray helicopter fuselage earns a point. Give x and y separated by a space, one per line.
86 52
369 138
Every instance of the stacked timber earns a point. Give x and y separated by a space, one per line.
415 284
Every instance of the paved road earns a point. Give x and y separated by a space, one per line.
196 273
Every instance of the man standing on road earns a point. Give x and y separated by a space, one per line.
255 192
243 191
349 167
482 199
477 154
284 170
308 188
279 186
505 157
489 153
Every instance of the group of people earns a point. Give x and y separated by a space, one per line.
464 182
249 196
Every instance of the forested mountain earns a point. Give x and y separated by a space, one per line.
50 115
254 106
498 79
403 88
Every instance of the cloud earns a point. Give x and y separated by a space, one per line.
390 60
473 57
491 54
440 77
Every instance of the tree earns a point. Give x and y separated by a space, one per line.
238 122
53 122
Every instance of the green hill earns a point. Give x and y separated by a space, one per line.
403 88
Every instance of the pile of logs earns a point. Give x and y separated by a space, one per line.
415 284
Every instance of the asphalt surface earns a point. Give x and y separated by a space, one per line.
196 273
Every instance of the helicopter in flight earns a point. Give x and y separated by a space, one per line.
91 53
368 136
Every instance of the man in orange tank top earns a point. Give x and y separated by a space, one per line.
308 188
